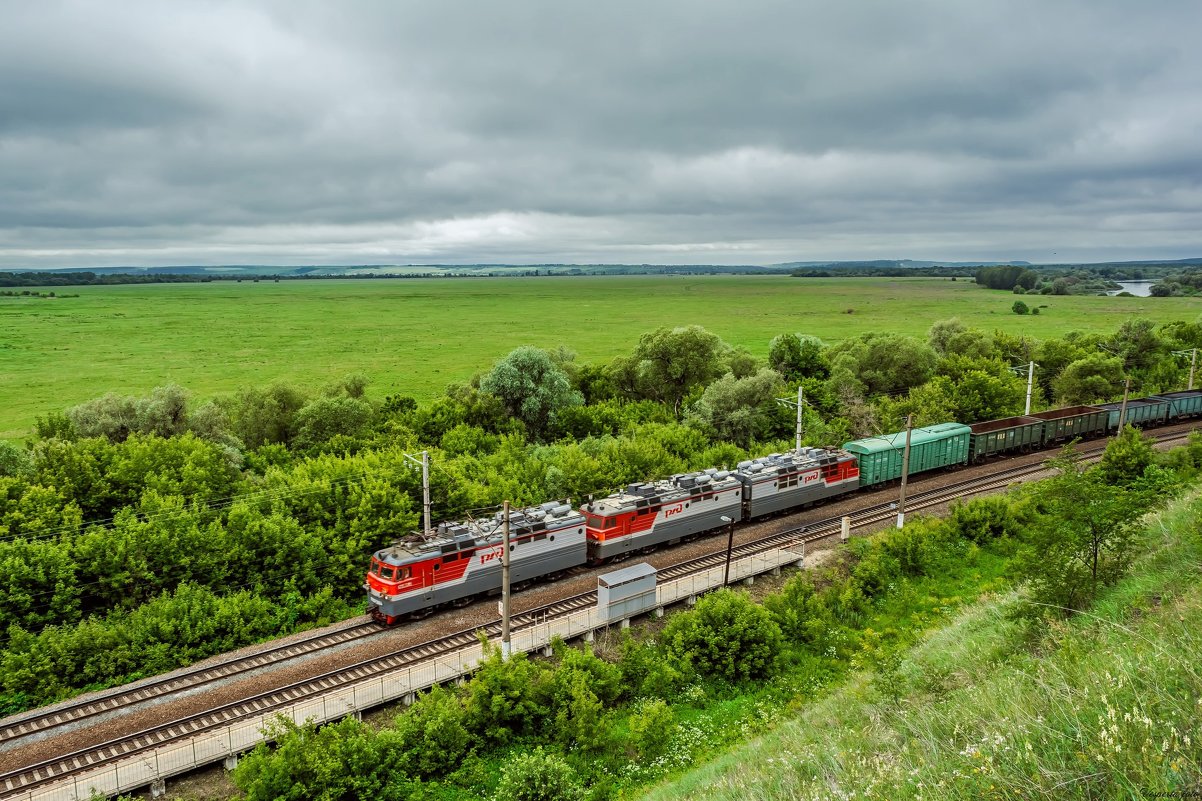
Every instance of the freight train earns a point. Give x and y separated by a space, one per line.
461 561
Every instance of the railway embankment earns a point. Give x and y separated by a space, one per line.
1101 702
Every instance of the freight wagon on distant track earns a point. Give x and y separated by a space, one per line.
931 447
999 436
1140 412
1072 422
1187 403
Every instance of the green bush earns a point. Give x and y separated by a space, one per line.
919 547
343 760
727 636
651 727
1126 457
801 611
983 519
577 694
503 700
431 734
539 776
876 570
647 673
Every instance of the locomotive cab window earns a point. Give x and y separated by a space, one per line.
402 573
388 573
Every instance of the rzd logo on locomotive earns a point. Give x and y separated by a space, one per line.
673 510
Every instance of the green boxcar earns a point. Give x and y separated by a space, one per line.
1002 436
1187 403
1074 421
1140 412
931 447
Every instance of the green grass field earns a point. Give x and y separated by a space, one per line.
414 336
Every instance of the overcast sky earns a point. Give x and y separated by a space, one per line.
673 132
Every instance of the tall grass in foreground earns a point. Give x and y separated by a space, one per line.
1107 705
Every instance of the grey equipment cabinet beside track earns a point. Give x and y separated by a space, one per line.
626 592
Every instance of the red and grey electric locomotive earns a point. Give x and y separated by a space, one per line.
461 561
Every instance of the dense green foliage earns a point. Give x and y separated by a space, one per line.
252 514
726 636
527 728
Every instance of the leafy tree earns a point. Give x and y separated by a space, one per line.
942 333
1093 378
1141 347
539 775
645 671
741 363
164 413
737 408
502 700
1180 334
1082 539
54 425
432 734
1006 277
726 635
343 760
37 584
14 461
797 356
532 387
801 612
1126 457
351 385
982 519
577 694
1020 308
673 361
36 511
261 416
651 726
885 363
326 417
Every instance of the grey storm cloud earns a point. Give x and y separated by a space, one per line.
720 132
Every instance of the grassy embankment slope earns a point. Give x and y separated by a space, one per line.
415 336
1107 705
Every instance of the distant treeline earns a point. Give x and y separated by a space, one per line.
87 278
1186 282
869 270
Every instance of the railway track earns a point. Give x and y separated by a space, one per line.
27 726
25 779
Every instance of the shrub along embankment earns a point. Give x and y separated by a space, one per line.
1104 703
